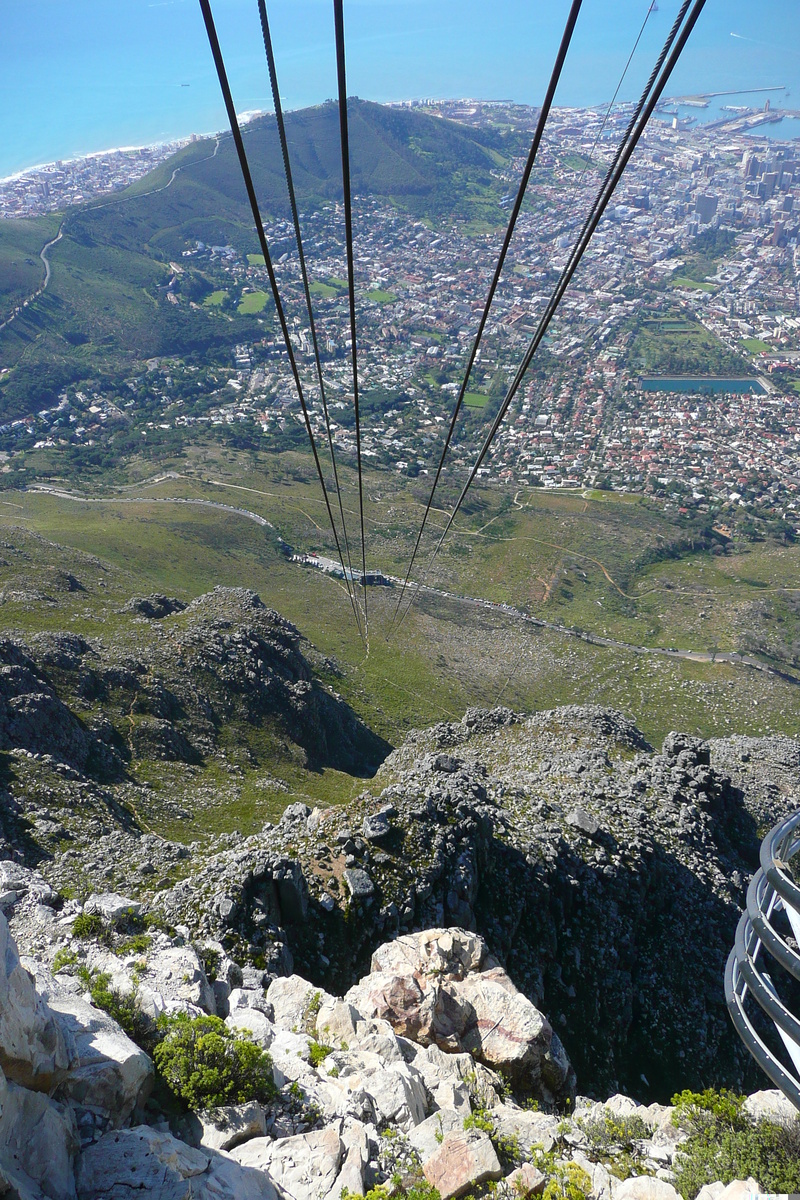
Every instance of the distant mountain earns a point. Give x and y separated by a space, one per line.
107 297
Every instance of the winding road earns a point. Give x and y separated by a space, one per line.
15 312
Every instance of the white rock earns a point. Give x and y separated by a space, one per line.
337 1023
435 952
17 1186
710 1191
531 1128
428 1136
176 974
620 1106
139 1162
295 1003
33 1050
17 881
604 1185
463 1161
771 1104
646 1187
226 1179
453 1078
301 1167
356 1151
249 998
112 1075
740 1189
527 1180
111 906
232 1124
507 1031
397 1093
254 1022
38 1138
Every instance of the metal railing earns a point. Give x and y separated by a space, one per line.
771 892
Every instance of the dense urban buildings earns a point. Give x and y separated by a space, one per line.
690 281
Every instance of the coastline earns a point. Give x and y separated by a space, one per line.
172 142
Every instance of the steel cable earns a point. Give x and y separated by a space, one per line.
236 133
344 137
276 99
512 221
633 133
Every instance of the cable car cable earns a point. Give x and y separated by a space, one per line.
273 79
462 392
523 184
639 119
236 133
344 138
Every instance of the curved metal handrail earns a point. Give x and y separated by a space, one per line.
771 890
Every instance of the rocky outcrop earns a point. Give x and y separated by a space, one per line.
574 849
441 987
370 1087
34 1051
163 688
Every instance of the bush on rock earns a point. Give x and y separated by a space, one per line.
726 1143
208 1065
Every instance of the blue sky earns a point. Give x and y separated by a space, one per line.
89 74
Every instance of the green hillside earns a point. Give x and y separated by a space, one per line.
107 301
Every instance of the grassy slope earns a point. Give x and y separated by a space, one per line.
21 269
562 555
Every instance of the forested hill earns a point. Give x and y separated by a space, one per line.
107 301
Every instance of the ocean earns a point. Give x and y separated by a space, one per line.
94 74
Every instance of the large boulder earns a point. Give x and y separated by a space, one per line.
38 1141
175 979
442 987
149 1165
295 1003
112 1076
229 1126
463 1161
301 1167
33 1049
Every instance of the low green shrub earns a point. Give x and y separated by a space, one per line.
568 1182
318 1052
123 1007
87 925
726 1143
211 960
616 1141
139 943
480 1119
63 958
208 1065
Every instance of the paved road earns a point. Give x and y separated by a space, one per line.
90 208
65 495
